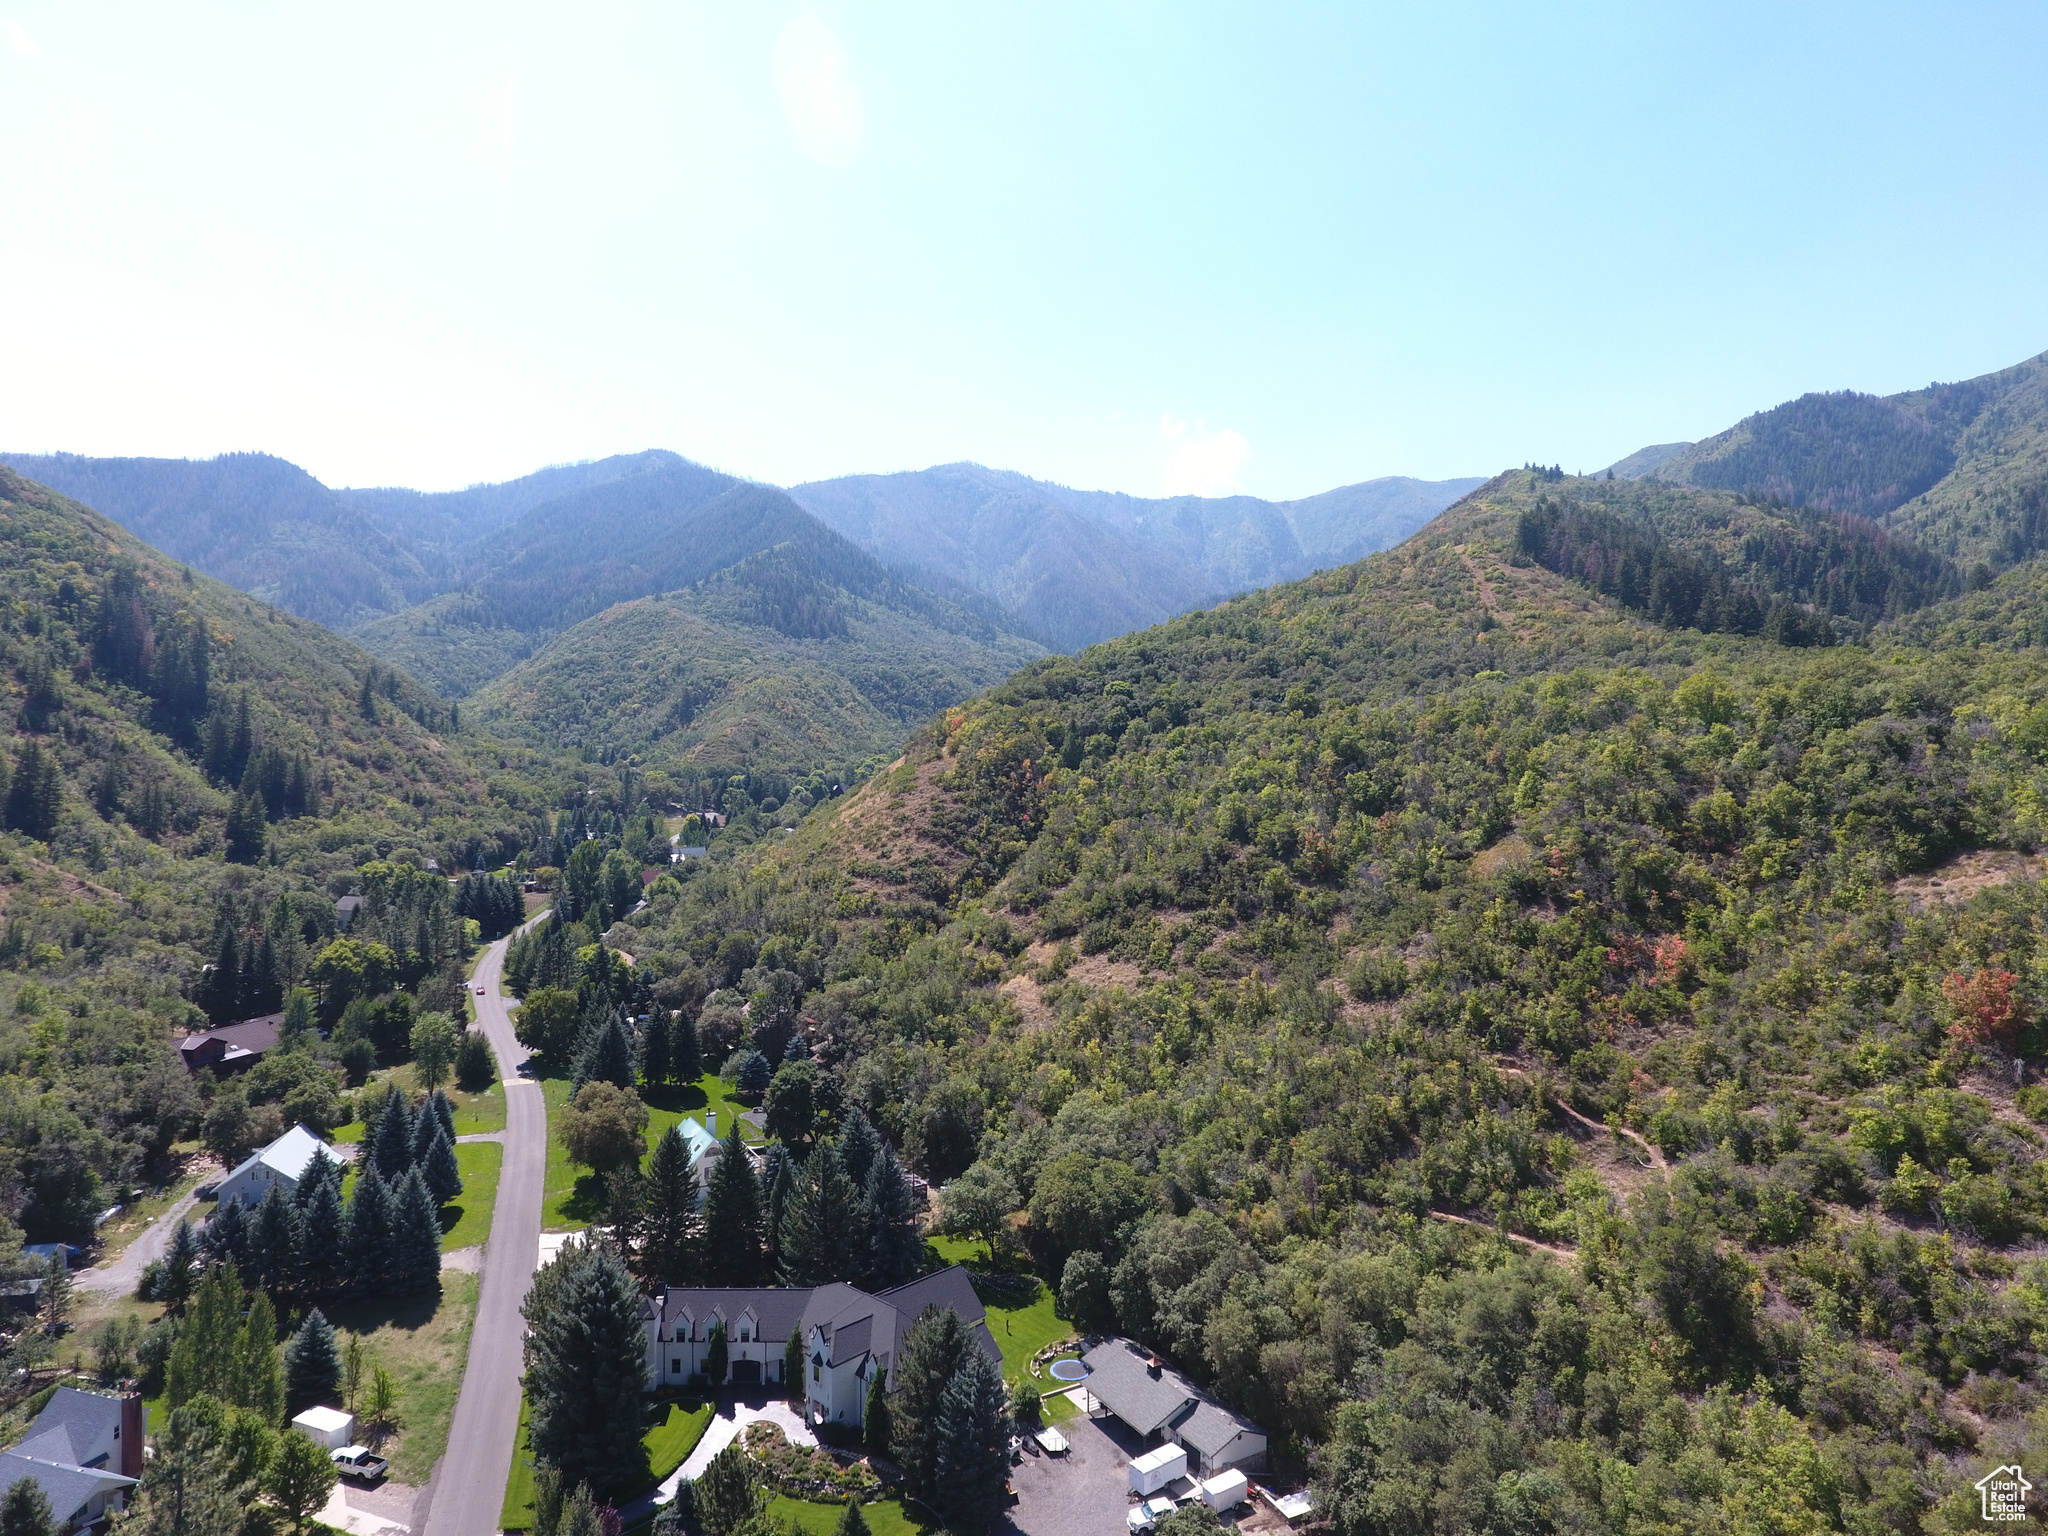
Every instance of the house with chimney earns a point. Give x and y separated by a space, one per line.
1160 1406
85 1451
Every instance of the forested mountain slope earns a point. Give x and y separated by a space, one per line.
1083 566
1559 1070
790 658
1960 468
190 777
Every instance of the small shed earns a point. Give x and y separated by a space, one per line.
1156 1468
328 1428
1224 1491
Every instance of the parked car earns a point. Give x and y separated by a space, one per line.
359 1464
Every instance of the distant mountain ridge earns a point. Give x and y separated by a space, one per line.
1083 566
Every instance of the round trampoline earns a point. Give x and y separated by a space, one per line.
1067 1370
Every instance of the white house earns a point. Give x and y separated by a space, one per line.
848 1334
280 1165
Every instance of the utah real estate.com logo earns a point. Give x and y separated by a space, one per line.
2004 1492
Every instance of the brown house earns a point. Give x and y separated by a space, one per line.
232 1047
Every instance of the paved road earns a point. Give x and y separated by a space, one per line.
469 1485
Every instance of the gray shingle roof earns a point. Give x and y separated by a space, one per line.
1211 1427
67 1488
777 1309
1121 1378
70 1425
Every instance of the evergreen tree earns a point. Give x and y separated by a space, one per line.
256 1379
859 1145
728 1496
202 1358
428 1128
586 1366
444 1111
851 1521
685 1054
973 1444
444 1180
393 1150
274 1242
225 1239
323 1235
778 1179
893 1247
877 1426
754 1075
35 796
25 1510
732 1218
368 1241
415 1237
298 1030
932 1351
312 1364
717 1354
607 1053
669 1251
245 829
793 1365
475 1067
654 1048
818 1224
180 1257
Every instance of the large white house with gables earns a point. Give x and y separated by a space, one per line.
849 1335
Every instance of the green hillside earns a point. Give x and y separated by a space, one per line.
771 662
191 778
1557 1070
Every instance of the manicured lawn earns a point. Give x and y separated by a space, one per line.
424 1342
1020 1315
958 1250
886 1517
466 1220
574 1196
669 1441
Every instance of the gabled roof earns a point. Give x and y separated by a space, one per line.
778 1310
67 1488
1149 1398
854 1324
286 1156
1211 1427
71 1424
253 1036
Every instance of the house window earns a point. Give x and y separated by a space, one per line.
675 1367
745 1337
817 1367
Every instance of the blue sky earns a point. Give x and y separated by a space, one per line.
1141 247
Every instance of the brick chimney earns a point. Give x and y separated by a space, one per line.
129 1462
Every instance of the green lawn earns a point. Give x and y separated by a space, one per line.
424 1342
1020 1315
886 1517
466 1220
669 1443
574 1196
475 1113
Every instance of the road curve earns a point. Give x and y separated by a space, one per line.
469 1486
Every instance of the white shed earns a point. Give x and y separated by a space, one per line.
1155 1469
1224 1491
328 1428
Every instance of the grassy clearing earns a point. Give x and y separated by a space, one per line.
424 1342
672 1433
1021 1316
466 1220
885 1517
136 1215
574 1196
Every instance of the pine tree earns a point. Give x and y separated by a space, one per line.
245 829
427 1128
717 1354
225 1239
669 1252
732 1218
475 1067
312 1364
654 1048
586 1366
415 1237
729 1498
25 1510
685 1053
444 1180
256 1374
778 1180
973 1444
859 1145
180 1256
323 1235
298 1029
876 1425
393 1150
274 1242
793 1365
202 1357
607 1054
888 1212
444 1111
851 1521
818 1230
936 1344
35 797
367 1244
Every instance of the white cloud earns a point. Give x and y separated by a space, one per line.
1202 465
18 40
818 94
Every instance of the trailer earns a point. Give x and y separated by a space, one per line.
1155 1469
1226 1490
